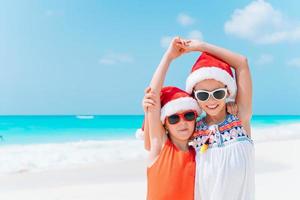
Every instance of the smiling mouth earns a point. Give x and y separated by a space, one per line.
212 106
185 129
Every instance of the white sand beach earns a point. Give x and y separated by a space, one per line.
277 178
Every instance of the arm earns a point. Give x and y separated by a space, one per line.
145 105
243 77
146 134
155 130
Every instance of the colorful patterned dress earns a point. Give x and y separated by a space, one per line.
225 171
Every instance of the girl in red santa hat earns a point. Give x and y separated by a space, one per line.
222 141
170 115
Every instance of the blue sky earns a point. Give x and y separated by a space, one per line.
96 57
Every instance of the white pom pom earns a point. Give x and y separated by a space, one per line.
139 134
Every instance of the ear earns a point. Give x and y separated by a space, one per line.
165 127
167 131
193 94
228 93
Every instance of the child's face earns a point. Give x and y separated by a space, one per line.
183 129
212 106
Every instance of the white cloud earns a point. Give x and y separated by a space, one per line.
165 41
185 20
115 58
195 34
294 62
261 23
265 59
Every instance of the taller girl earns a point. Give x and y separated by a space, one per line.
224 150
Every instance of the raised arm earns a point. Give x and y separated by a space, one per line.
155 129
176 49
243 77
146 135
145 104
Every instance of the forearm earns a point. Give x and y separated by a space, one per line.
155 131
146 133
237 61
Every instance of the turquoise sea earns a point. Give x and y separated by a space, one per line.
35 143
53 129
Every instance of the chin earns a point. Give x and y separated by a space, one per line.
184 136
213 112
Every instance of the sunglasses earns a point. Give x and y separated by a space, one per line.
218 94
187 116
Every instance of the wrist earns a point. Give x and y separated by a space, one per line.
167 57
200 46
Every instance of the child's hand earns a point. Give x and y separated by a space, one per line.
177 47
150 100
232 108
193 45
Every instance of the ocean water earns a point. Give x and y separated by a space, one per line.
37 143
58 129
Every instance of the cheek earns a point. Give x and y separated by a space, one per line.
201 104
222 103
170 128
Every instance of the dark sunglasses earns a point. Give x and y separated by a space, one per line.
187 116
218 94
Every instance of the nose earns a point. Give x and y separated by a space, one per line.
183 123
211 99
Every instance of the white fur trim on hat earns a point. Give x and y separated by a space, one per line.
180 104
139 134
211 73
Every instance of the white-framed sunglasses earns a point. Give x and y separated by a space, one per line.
218 94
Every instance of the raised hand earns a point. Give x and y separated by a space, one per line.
150 100
177 47
193 45
232 108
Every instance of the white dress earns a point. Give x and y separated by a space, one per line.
225 171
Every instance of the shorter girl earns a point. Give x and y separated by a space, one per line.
171 168
170 119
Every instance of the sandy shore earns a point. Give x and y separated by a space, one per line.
277 178
120 180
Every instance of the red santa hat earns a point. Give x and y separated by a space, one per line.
173 100
210 67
